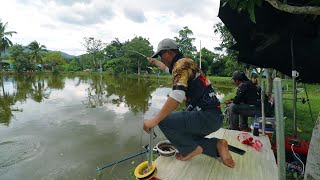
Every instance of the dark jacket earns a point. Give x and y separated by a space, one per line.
248 93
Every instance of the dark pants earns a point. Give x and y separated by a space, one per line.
186 130
245 111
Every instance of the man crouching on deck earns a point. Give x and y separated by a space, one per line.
186 130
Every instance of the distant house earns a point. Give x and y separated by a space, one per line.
5 64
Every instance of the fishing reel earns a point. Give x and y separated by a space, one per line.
147 170
144 172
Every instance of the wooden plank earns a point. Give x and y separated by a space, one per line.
252 165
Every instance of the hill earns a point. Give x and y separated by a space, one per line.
63 54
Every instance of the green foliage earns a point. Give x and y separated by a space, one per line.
132 59
95 54
185 40
250 9
85 61
304 121
53 60
15 51
111 50
20 58
115 66
37 51
5 56
227 56
5 42
208 59
22 63
71 65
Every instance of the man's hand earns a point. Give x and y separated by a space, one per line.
158 63
152 61
148 124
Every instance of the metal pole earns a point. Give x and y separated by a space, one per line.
150 149
281 158
294 75
200 54
263 116
100 66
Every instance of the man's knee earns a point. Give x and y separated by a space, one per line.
164 124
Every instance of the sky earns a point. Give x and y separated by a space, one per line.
61 25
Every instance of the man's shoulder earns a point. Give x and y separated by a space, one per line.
185 63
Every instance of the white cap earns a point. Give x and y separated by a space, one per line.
165 44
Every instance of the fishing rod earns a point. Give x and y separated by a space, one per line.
137 53
134 52
130 157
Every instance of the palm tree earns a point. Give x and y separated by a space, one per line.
5 41
37 51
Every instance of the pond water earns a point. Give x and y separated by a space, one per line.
63 127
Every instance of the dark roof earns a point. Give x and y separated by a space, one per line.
274 38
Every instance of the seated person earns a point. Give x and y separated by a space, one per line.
247 102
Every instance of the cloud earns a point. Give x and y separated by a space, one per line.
62 24
136 15
85 14
70 2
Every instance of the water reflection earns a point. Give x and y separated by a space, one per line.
130 93
122 92
19 88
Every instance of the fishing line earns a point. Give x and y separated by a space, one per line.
130 157
141 144
134 52
139 54
308 101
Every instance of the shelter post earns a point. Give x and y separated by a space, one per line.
281 158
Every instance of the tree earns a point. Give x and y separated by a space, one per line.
73 64
94 49
20 58
15 51
207 60
53 60
185 40
132 54
228 55
37 52
112 49
85 62
5 41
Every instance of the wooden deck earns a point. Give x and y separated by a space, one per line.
252 165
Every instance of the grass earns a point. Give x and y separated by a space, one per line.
304 121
